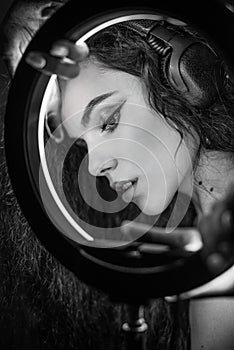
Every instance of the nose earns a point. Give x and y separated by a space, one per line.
99 165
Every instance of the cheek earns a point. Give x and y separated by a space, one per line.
149 129
162 182
163 178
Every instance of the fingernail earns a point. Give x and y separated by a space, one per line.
83 46
172 299
83 49
58 50
35 60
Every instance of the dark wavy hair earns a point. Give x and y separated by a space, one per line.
119 47
122 48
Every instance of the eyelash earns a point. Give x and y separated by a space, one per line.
107 125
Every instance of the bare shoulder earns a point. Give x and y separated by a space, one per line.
212 324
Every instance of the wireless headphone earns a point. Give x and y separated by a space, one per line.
187 65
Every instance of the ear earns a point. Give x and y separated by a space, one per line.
23 20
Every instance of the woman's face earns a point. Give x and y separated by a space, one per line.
128 142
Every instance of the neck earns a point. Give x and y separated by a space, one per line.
213 176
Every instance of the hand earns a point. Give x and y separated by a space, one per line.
62 59
216 229
154 240
214 241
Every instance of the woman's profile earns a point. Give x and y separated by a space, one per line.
149 131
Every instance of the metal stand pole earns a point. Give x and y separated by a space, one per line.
135 328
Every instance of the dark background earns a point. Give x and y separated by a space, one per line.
4 7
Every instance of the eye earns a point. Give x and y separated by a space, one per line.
111 123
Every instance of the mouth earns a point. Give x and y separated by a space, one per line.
123 186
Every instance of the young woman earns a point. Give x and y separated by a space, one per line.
148 138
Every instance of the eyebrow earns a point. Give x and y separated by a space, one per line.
93 103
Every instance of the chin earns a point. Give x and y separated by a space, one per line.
153 207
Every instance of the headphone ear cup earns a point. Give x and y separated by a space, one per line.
186 64
201 72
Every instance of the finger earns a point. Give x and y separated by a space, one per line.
186 238
52 65
36 60
131 227
155 249
65 48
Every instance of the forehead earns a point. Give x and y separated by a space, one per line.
92 81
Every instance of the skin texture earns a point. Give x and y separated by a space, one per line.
43 305
213 167
142 154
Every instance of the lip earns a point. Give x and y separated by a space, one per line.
123 186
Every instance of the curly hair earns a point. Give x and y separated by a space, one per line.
119 47
122 48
